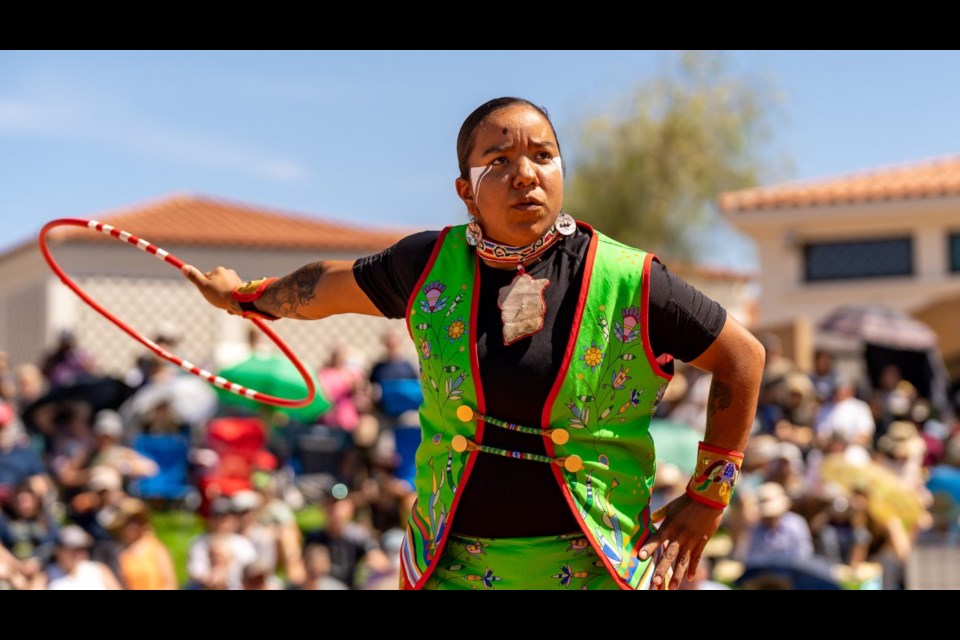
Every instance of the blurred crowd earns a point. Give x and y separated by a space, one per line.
839 482
90 464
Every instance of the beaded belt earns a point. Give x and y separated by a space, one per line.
460 443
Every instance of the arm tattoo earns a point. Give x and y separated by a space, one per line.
721 397
288 296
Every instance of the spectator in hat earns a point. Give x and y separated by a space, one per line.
247 505
99 447
216 559
144 562
276 514
842 527
108 430
780 536
903 451
73 569
846 414
798 410
104 490
758 459
93 506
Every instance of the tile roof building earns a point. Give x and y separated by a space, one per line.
888 236
205 232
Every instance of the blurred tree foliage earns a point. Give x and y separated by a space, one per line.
648 176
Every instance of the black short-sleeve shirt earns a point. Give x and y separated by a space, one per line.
508 497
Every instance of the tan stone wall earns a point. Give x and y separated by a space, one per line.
943 316
781 234
23 305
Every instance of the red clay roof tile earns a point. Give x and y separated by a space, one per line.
937 178
187 219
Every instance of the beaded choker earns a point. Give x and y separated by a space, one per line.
503 254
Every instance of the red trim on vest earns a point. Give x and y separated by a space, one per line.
552 399
644 334
403 584
481 409
423 276
574 332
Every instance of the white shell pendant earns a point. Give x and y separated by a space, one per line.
522 307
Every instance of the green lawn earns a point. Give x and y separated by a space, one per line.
176 529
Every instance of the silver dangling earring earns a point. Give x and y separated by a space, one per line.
474 232
565 224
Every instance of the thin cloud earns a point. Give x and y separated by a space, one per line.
70 118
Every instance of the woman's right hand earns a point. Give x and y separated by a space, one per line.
216 286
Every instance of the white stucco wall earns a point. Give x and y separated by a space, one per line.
24 302
146 294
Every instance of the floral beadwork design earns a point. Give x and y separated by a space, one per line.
456 329
592 356
609 394
629 330
613 395
439 338
433 300
440 334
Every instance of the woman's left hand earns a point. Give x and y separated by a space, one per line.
687 526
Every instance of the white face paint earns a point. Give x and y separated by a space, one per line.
477 174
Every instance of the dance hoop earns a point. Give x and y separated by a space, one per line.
164 256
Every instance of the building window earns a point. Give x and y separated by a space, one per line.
955 252
855 259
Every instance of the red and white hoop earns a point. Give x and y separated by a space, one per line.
172 260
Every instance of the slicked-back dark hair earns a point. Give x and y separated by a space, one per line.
466 136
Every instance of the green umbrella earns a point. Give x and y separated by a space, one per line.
676 443
275 375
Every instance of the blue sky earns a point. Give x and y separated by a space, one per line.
369 137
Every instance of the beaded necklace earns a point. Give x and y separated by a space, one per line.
522 305
504 254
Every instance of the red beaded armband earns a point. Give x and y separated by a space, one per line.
716 472
248 293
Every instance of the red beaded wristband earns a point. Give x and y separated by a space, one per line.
715 475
